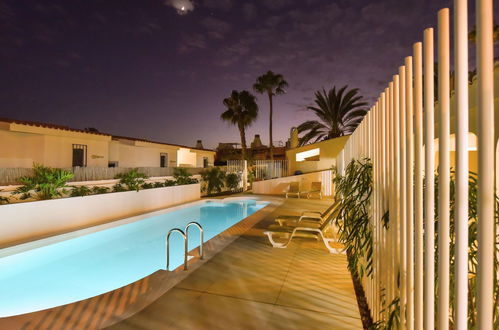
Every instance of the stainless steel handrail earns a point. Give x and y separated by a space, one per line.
201 233
184 236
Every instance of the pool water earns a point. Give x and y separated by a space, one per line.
96 263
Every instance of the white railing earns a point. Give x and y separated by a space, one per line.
391 135
262 169
270 169
279 186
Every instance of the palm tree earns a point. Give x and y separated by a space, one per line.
272 84
339 112
242 111
495 34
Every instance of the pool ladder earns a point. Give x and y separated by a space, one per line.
185 235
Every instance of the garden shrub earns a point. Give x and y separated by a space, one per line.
214 180
232 181
46 183
182 176
80 191
131 180
170 183
99 190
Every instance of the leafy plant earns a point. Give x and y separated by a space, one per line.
242 111
24 191
393 321
99 190
170 183
182 176
232 181
119 188
46 183
158 185
214 179
339 112
472 248
251 175
131 180
4 200
80 191
353 193
271 84
147 185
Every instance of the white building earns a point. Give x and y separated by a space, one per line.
23 143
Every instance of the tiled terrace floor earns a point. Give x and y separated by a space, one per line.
250 285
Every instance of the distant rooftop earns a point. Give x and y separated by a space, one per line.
88 131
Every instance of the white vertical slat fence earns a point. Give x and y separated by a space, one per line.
398 135
486 143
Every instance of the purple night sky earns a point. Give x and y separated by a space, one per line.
143 68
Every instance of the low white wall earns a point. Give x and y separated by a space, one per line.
279 186
23 222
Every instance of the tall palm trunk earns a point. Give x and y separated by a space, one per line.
242 132
271 146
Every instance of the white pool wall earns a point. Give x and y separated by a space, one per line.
22 222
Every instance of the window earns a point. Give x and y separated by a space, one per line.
205 162
309 155
112 164
163 160
79 155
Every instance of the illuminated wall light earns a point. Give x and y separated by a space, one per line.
307 155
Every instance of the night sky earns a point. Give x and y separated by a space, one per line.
145 68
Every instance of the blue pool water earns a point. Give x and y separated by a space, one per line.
106 260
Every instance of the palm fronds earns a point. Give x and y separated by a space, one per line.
339 112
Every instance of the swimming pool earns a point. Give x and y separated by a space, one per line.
92 264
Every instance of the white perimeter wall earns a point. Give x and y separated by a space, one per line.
23 222
279 186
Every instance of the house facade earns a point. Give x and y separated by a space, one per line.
23 143
316 156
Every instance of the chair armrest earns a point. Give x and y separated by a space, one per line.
307 229
311 213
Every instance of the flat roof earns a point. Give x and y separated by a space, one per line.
71 129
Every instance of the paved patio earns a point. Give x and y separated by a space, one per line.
250 285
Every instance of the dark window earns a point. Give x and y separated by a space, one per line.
163 160
79 155
112 164
205 162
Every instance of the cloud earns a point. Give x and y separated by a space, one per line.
276 4
218 4
182 6
231 54
191 42
215 28
249 11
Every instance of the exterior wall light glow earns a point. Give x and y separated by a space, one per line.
308 155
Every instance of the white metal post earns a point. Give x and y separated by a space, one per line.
418 186
486 152
403 200
429 202
461 212
396 148
409 192
378 208
443 168
391 190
